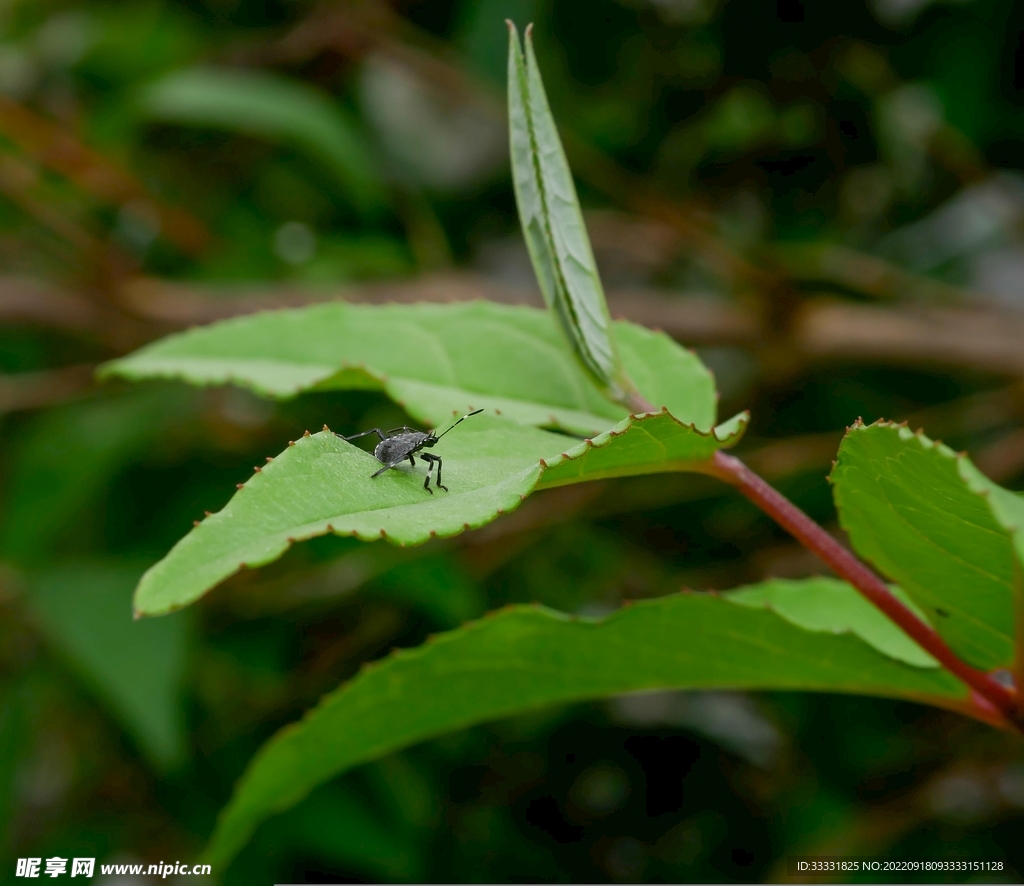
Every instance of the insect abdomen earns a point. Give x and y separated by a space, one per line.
397 448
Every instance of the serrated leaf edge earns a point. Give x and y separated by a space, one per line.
973 479
975 482
531 478
121 367
959 705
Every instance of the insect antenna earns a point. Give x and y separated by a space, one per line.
467 415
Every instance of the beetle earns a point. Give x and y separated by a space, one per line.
403 443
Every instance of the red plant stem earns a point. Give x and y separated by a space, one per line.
731 470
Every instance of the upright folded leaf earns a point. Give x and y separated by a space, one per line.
556 236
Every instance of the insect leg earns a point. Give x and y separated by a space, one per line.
437 479
388 467
376 431
429 460
394 464
428 456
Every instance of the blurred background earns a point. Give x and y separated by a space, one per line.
824 199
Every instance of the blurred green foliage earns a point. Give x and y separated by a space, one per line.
358 148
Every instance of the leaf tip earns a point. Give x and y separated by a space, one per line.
327 428
239 486
330 528
206 513
270 458
258 469
305 433
291 442
543 463
466 526
195 522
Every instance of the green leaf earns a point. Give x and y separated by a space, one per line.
647 444
322 484
553 226
136 667
826 604
273 107
434 360
930 521
525 658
